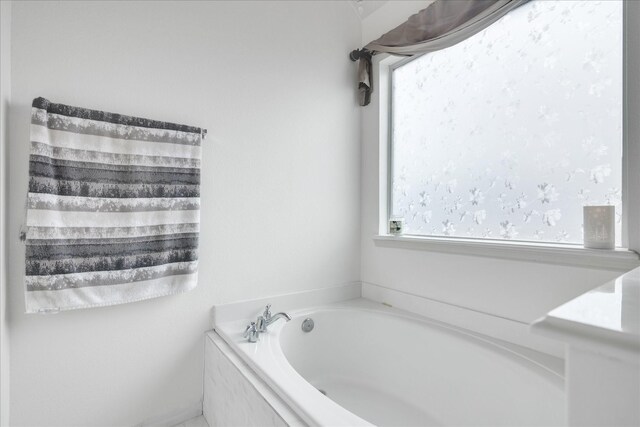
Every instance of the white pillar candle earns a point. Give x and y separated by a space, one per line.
599 227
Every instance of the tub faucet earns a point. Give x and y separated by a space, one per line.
267 318
253 330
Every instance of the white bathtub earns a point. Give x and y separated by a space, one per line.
383 366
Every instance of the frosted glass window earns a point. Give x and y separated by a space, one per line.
507 134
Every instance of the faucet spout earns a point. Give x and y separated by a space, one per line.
276 317
267 318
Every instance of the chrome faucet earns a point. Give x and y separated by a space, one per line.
253 331
267 318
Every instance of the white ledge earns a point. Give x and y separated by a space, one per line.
605 319
548 253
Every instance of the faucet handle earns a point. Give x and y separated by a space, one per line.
250 328
251 332
267 312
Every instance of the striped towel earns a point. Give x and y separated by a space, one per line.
113 208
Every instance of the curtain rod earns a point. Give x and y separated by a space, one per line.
356 54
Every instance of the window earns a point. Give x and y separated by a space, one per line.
507 134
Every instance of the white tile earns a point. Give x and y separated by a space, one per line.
229 398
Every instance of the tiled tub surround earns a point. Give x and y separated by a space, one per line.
378 365
235 396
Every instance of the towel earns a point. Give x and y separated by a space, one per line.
113 208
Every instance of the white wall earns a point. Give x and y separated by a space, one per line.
5 99
280 181
521 291
389 16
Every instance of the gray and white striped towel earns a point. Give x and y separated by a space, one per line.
113 209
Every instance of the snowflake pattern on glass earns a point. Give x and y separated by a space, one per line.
507 134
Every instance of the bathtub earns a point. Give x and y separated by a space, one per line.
368 364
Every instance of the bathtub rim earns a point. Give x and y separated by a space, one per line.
543 361
296 390
231 333
507 329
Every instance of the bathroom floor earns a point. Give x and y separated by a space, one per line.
194 422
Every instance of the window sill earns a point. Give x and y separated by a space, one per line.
564 254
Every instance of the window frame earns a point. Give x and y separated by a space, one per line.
622 258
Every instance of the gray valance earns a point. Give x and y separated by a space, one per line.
442 24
